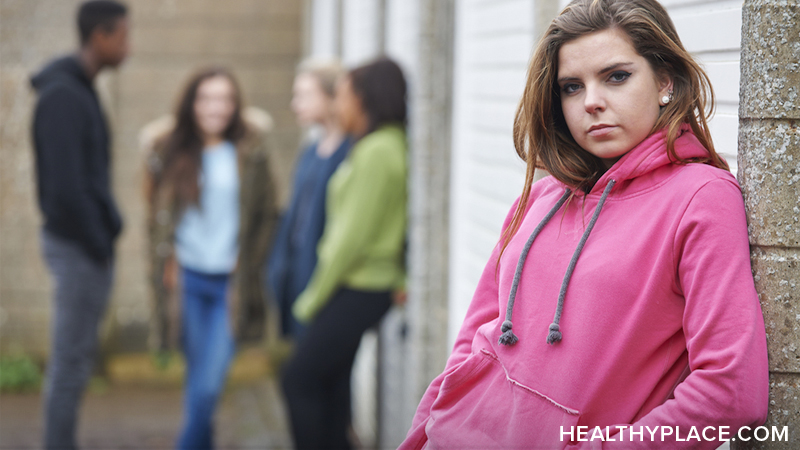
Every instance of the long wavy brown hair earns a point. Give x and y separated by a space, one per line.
541 136
183 147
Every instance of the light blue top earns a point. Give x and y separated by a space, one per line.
207 237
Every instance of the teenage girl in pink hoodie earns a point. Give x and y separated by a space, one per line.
618 308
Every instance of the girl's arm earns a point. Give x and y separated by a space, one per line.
376 183
483 308
723 325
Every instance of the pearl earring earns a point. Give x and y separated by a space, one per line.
667 98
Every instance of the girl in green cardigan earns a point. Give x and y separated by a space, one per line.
360 256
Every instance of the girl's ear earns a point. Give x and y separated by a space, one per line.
665 85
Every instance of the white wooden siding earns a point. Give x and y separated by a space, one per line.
493 43
711 31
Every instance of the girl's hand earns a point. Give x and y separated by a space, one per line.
399 297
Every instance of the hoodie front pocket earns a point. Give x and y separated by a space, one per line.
480 406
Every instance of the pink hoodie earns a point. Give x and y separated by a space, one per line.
661 323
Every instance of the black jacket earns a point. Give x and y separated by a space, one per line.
71 140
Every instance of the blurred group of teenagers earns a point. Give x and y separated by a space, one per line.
333 261
634 305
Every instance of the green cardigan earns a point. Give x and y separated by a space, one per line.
362 246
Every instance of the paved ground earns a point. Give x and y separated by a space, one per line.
139 418
138 407
250 417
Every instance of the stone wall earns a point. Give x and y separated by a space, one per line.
261 40
769 172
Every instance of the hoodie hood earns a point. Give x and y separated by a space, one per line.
66 69
650 155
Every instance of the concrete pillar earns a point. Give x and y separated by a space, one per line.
769 172
429 193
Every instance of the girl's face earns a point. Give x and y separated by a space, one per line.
309 102
352 116
214 105
609 93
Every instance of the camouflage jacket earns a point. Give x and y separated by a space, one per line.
258 218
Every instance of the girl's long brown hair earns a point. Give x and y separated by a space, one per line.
541 136
183 147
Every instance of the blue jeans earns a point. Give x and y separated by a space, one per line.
209 347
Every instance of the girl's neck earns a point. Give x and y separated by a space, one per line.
212 141
331 139
361 127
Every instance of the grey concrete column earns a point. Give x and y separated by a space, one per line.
414 341
769 172
429 191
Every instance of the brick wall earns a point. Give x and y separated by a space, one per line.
259 39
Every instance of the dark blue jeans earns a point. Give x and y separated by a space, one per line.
209 347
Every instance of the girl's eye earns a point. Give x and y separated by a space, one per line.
619 77
570 88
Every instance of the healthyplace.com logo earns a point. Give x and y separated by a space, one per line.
628 433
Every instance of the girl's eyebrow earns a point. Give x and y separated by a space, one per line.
600 72
614 66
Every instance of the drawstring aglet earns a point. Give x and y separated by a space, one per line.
508 337
554 335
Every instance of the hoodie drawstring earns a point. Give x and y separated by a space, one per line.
508 337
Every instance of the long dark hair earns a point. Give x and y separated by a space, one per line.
381 87
184 145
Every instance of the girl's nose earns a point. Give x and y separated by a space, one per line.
594 100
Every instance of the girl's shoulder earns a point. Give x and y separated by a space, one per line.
691 178
257 120
153 135
546 186
705 172
386 137
258 125
384 146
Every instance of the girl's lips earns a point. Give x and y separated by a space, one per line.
601 130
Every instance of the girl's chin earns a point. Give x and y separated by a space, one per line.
213 131
609 155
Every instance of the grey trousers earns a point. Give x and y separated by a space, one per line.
82 287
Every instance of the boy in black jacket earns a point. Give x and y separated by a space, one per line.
81 221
